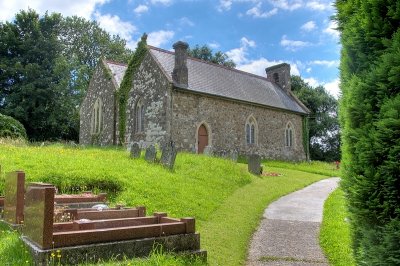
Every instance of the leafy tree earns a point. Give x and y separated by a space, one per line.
32 75
323 122
45 66
370 119
205 53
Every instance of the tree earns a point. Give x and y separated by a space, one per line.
323 121
205 53
32 75
370 119
45 66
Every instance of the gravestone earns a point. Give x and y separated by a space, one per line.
208 150
151 153
254 164
135 150
234 155
168 155
14 197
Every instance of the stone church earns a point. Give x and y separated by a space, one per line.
196 104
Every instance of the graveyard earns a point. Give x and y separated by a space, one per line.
209 189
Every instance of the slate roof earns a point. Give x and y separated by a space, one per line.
221 81
117 70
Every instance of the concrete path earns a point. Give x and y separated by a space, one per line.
288 234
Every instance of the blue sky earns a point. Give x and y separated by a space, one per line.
255 34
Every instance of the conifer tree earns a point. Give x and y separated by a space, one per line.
370 122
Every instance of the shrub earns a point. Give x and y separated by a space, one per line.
11 128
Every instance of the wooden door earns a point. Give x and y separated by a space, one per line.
202 139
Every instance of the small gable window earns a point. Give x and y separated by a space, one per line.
96 124
289 135
251 130
139 118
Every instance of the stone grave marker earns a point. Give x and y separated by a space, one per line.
168 155
208 150
151 153
254 164
14 197
234 155
135 150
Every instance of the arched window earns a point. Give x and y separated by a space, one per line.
139 118
276 77
96 124
289 135
251 130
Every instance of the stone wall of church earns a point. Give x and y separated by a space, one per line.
101 86
151 87
225 122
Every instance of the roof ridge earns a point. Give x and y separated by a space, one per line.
212 64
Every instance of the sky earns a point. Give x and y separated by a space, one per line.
255 34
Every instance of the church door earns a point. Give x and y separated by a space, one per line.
203 138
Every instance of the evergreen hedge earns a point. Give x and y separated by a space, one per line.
370 120
11 128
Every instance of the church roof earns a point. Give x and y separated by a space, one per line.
117 70
220 81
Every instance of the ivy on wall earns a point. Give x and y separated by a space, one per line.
126 84
306 143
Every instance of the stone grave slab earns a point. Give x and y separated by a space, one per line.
168 155
254 164
135 150
151 154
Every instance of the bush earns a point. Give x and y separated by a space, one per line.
11 128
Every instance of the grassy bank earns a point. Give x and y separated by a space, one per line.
225 199
335 232
316 167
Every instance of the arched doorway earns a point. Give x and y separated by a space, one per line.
202 138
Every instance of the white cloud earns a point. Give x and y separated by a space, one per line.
332 29
319 5
257 13
258 66
327 63
308 70
83 8
185 21
114 25
308 26
292 45
158 38
224 5
163 2
214 45
287 4
238 55
333 87
140 9
312 82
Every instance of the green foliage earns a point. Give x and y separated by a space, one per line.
45 66
11 128
126 85
205 53
323 124
369 115
335 236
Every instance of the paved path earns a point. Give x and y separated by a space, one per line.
288 233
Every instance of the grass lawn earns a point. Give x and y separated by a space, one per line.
225 199
335 232
316 167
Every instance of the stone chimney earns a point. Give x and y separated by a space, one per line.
180 73
280 74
